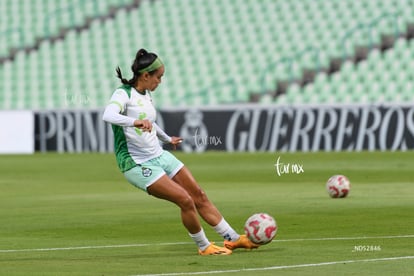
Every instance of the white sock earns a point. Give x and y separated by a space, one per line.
200 239
226 231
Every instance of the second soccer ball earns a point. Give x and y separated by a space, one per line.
260 228
338 186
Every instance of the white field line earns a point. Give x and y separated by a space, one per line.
185 243
281 267
92 247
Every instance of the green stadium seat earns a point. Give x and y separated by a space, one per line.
293 94
252 43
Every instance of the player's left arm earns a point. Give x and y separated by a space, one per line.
164 137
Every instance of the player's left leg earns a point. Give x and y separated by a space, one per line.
209 212
205 207
176 170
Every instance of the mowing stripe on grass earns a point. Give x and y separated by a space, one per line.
280 267
185 243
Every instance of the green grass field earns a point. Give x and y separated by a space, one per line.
74 214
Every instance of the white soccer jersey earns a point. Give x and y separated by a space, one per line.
132 145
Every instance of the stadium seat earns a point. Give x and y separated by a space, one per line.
228 48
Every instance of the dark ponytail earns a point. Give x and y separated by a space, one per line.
142 60
119 75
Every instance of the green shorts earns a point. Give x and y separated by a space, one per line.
145 174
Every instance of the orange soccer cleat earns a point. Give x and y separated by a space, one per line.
242 242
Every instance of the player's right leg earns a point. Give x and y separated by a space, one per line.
210 213
242 242
167 189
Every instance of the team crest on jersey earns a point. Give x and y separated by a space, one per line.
139 102
146 172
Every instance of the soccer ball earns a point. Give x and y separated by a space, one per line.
260 228
338 186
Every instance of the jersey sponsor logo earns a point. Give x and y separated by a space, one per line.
146 172
142 116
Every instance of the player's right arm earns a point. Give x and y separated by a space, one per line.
115 108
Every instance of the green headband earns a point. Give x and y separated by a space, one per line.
157 63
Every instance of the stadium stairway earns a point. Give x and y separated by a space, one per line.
380 72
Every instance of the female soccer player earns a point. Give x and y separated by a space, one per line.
147 166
